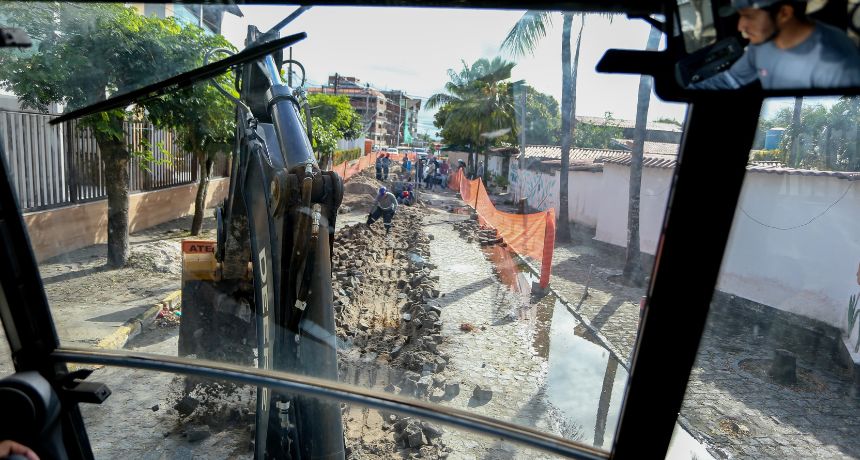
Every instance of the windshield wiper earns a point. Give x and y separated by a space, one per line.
184 79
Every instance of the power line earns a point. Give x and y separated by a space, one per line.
804 224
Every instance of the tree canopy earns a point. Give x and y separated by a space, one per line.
337 112
88 52
597 135
827 138
543 118
332 118
477 106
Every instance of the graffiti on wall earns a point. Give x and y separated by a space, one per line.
540 190
853 315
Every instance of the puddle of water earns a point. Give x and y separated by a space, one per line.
585 382
684 447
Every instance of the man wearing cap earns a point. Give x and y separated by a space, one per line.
787 50
384 206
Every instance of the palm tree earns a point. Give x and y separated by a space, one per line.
633 264
478 103
523 39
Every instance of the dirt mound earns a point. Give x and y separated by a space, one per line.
361 188
363 184
158 256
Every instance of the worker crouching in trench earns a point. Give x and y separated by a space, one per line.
384 206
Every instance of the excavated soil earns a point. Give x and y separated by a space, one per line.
388 326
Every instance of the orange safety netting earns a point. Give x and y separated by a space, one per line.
350 168
528 234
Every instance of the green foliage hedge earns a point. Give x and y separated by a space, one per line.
346 155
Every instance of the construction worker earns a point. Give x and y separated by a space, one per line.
384 206
379 166
787 50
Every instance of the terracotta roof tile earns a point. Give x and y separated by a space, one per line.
803 172
553 152
630 124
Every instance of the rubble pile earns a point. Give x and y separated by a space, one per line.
471 231
359 192
389 327
211 408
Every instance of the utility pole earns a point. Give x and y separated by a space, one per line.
336 80
290 70
399 115
367 106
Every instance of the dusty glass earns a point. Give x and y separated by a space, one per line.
464 129
776 373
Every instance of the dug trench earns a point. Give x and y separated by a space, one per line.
388 328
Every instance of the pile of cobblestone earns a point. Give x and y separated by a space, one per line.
389 327
471 231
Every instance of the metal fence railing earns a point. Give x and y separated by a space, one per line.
60 165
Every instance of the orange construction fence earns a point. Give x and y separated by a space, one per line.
350 168
528 234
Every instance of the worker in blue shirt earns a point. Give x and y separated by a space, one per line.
788 50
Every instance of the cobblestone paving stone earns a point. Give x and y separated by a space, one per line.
611 308
497 355
138 419
781 422
750 416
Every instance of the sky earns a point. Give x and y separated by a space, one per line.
411 49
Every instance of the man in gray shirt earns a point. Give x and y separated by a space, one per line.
384 206
787 50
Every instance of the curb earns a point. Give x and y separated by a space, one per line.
131 328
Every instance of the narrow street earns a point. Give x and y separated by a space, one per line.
490 352
435 311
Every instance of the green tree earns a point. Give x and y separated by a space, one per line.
542 118
817 137
333 118
203 118
476 108
597 135
324 141
88 52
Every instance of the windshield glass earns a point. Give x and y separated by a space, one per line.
778 365
489 253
